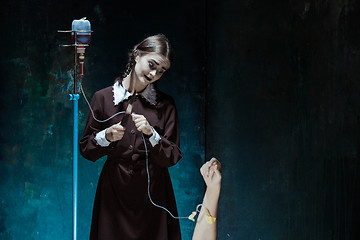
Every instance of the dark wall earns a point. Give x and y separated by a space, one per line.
270 88
283 116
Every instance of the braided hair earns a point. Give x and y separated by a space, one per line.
131 63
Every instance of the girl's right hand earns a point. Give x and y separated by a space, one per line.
114 133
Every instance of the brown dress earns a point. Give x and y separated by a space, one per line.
122 209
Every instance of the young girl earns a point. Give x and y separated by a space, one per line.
122 207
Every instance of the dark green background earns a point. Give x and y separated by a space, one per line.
270 88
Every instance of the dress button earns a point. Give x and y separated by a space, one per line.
132 131
131 147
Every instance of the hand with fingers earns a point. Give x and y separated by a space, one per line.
211 172
114 133
142 124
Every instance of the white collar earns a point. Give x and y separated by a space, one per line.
120 93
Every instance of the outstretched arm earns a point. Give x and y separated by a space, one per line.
206 225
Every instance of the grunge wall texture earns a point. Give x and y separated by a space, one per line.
283 115
270 88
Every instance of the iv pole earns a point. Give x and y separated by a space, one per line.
75 97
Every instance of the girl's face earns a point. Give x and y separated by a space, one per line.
150 67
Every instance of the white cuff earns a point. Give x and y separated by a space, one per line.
155 138
101 140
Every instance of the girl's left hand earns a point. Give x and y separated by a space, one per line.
142 124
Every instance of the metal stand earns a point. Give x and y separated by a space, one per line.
75 97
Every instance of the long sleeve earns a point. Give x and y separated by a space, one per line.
89 148
167 152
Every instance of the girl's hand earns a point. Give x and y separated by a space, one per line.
142 124
114 133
